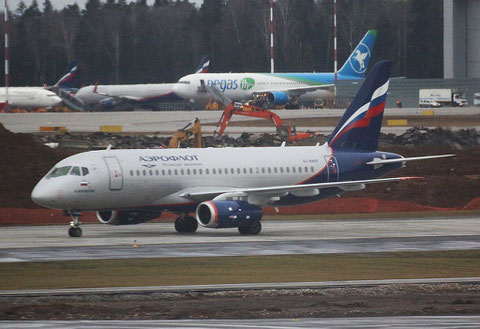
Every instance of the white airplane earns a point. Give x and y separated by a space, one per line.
109 97
277 88
35 97
225 187
29 97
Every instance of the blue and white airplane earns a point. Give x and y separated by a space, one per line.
226 187
278 88
110 97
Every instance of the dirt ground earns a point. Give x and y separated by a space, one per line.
388 300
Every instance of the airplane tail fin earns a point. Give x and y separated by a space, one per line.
357 63
69 79
359 128
204 65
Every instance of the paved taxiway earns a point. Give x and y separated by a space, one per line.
167 121
41 243
440 322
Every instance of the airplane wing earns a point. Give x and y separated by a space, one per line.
127 98
264 195
297 91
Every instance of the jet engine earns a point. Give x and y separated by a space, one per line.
277 98
223 214
113 217
108 103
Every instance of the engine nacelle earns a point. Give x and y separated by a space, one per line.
108 103
113 217
223 214
277 98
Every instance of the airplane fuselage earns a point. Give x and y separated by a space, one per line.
241 87
156 179
30 97
144 94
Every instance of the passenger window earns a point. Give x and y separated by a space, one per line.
156 172
232 171
244 170
269 170
293 169
188 171
75 171
213 171
138 172
251 170
306 169
275 170
85 171
238 171
131 172
263 170
312 169
163 172
281 170
182 172
219 171
151 172
200 171
169 172
300 169
287 169
144 173
176 172
194 171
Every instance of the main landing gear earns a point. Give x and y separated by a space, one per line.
252 228
186 224
75 231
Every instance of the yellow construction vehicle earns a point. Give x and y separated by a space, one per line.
193 128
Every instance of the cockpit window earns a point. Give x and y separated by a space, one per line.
75 171
84 171
184 81
57 172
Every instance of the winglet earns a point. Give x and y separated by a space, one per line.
95 88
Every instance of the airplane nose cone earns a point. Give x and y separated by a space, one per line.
43 196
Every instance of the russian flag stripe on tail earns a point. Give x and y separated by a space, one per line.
359 128
204 65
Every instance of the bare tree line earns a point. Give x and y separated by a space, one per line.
117 41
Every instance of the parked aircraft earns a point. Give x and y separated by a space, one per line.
109 97
278 88
35 97
226 187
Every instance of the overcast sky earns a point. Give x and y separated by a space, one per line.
59 4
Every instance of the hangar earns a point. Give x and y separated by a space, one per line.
461 39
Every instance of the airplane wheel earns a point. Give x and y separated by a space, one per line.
180 224
255 228
75 232
186 224
191 224
251 229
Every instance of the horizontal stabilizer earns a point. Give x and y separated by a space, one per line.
378 161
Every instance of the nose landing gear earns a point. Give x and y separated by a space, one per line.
75 231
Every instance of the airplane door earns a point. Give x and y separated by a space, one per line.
333 172
115 173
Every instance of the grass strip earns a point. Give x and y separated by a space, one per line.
248 269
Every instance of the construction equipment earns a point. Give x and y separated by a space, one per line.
193 128
285 131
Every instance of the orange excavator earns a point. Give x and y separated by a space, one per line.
193 128
285 131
